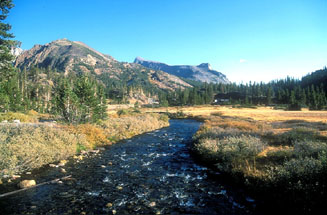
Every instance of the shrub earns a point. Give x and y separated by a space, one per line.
231 151
279 156
123 112
296 169
309 148
136 110
95 135
128 126
297 134
218 113
178 115
164 117
10 116
27 147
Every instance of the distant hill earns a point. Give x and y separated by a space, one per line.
67 56
202 72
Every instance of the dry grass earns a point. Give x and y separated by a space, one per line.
27 147
131 125
282 153
266 114
94 134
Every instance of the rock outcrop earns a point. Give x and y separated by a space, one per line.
202 72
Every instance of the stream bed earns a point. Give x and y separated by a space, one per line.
153 173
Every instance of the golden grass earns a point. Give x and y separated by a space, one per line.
266 114
27 147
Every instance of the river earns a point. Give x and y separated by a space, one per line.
153 173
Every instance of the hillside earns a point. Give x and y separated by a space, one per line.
202 72
67 57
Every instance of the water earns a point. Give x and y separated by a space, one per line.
152 173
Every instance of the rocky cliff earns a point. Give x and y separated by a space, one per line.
202 72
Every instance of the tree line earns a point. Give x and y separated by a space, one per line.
310 91
77 98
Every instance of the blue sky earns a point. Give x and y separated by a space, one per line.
248 40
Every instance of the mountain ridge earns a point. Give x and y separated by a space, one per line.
202 72
68 56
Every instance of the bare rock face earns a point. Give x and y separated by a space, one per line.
202 72
26 183
64 55
16 51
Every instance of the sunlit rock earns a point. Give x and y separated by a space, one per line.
26 183
62 163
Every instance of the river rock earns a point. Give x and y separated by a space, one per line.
95 151
114 211
62 163
152 204
110 163
63 170
15 177
83 152
28 173
52 165
26 183
109 205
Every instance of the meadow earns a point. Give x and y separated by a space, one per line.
279 156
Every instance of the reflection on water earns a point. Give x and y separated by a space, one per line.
149 174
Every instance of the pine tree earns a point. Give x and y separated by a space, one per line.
66 101
9 86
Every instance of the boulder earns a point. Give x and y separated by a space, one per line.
26 183
152 204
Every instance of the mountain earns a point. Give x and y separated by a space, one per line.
67 57
202 72
16 51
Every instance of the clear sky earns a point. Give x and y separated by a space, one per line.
258 40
